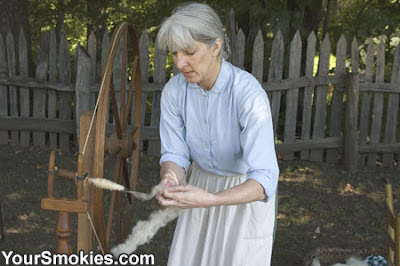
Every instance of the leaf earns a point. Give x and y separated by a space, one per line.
349 188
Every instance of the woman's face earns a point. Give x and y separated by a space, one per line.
199 64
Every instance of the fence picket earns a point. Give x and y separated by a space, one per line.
366 100
92 44
240 44
320 100
144 45
65 97
392 110
308 94
12 90
376 126
258 57
355 56
3 90
104 48
336 115
159 77
231 32
82 84
275 73
39 94
24 92
293 94
52 103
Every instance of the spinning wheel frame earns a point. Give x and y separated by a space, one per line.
93 146
121 120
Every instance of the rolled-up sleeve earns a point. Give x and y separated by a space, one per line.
172 130
257 140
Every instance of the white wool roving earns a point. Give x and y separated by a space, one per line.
144 231
110 185
149 196
352 261
106 184
315 262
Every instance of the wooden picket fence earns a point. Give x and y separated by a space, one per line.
324 117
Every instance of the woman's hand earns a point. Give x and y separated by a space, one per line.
186 196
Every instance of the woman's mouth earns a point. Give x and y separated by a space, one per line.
188 73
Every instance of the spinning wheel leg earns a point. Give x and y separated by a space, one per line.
64 232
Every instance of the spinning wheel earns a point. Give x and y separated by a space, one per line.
94 143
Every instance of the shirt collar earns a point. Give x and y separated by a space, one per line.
222 79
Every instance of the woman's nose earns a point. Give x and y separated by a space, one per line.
180 61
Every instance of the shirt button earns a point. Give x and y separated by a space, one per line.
205 121
206 145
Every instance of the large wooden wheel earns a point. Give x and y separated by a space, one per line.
123 143
98 138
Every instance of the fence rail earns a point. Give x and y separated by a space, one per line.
313 114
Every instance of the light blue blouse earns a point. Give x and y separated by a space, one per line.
226 131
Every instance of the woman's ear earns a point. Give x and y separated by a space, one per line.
217 47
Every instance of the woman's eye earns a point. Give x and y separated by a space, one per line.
190 52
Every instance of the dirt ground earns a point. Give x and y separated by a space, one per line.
321 206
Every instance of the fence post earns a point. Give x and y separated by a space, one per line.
82 88
351 148
3 90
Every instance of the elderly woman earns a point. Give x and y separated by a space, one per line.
216 129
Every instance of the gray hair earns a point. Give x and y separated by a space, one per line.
189 23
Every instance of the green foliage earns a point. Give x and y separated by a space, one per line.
363 19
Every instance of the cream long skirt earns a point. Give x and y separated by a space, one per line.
224 235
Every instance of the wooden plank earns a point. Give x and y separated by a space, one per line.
64 205
380 147
308 94
351 128
63 126
104 49
355 56
144 44
366 100
320 100
231 32
289 83
3 90
392 110
12 91
257 68
275 73
279 85
92 44
312 144
39 94
376 126
38 124
292 95
160 57
82 82
85 237
28 82
64 76
381 87
239 52
336 112
24 92
52 102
